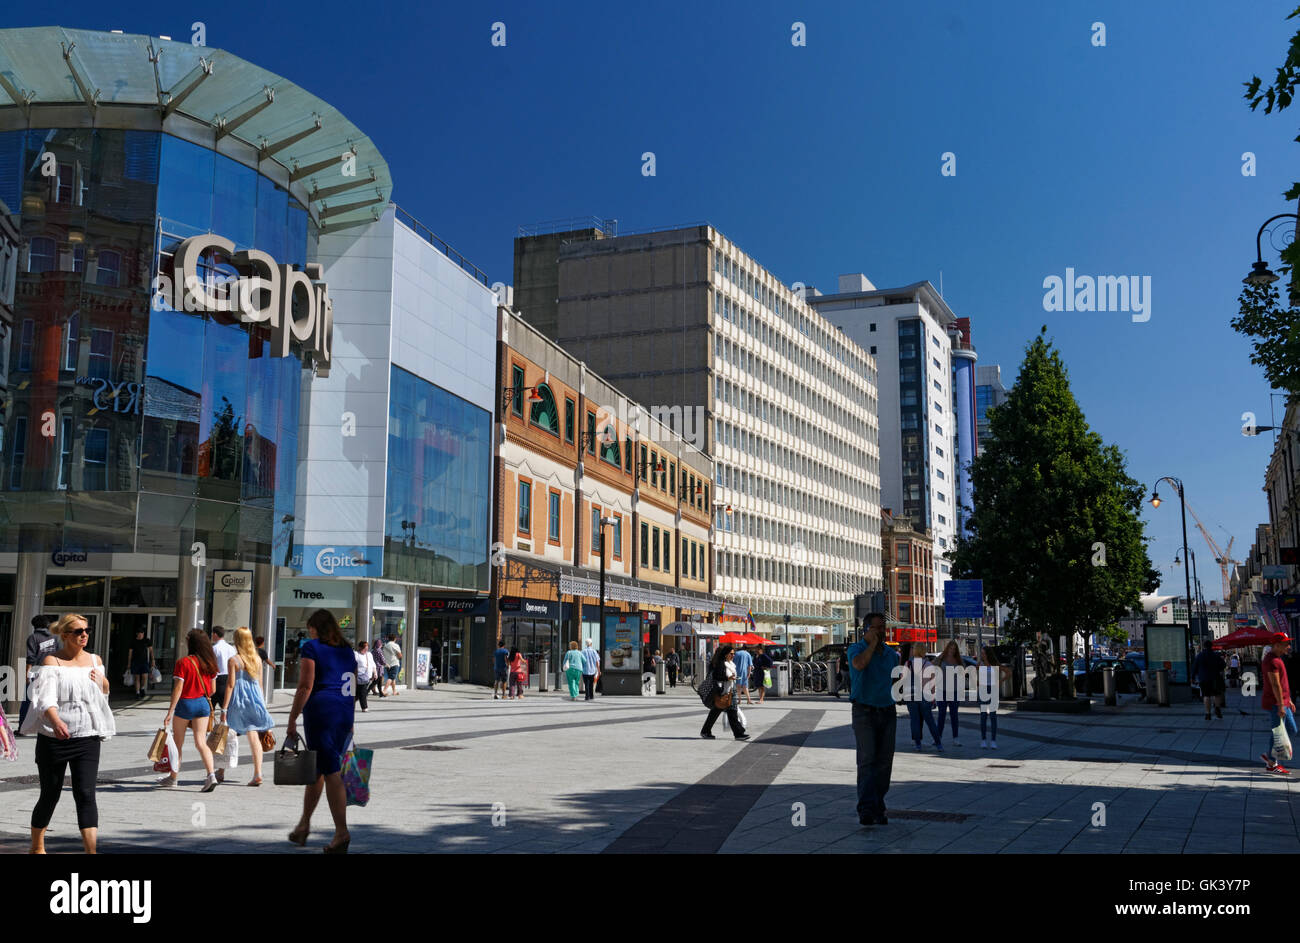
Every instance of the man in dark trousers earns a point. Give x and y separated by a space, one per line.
875 719
39 644
1208 669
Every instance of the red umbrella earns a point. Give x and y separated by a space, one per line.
1251 635
732 638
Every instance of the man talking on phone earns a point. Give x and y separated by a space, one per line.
871 668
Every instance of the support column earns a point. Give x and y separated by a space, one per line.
361 606
266 580
413 633
192 595
29 601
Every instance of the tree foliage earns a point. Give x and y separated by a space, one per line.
1055 527
1275 331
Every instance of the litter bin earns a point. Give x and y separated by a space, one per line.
1108 684
1161 679
543 669
780 680
661 678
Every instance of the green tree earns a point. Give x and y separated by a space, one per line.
1274 330
1055 526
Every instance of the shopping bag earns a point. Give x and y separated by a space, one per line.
767 677
295 765
155 676
1281 742
128 678
218 737
356 775
740 716
8 745
229 759
168 762
158 749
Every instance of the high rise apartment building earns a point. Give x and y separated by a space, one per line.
734 361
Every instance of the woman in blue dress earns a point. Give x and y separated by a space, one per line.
245 710
327 680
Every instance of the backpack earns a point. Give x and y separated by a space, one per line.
707 687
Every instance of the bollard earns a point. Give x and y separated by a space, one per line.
1161 678
1108 685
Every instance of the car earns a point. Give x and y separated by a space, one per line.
828 653
1128 677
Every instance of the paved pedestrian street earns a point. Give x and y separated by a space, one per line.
456 771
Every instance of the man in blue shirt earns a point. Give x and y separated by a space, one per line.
590 671
875 722
743 661
500 673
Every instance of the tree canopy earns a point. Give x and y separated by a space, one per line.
1055 530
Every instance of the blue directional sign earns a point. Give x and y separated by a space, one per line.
963 599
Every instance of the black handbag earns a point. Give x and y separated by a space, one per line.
295 766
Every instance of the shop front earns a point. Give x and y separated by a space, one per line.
296 600
533 627
446 628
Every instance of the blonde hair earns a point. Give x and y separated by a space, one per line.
61 627
248 656
918 649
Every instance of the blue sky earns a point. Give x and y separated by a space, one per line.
822 160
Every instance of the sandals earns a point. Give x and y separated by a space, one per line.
255 782
340 848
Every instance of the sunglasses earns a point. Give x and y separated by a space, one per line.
77 632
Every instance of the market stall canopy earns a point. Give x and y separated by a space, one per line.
1243 638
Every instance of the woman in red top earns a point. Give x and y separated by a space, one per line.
518 674
193 682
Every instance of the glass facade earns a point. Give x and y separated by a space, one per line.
439 486
113 395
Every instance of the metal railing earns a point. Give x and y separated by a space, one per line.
609 227
429 236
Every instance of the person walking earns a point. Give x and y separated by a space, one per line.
991 676
590 671
518 674
722 670
573 669
875 718
918 689
221 650
500 670
1234 669
324 700
744 663
142 663
842 673
243 707
365 671
672 662
950 665
1207 669
71 718
191 705
762 665
393 659
1276 696
377 682
39 644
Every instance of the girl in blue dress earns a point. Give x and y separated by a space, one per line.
327 681
245 710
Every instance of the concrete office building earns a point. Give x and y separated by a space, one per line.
694 329
909 331
180 444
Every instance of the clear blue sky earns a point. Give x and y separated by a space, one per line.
1122 160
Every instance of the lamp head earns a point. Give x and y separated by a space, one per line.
1260 275
1155 500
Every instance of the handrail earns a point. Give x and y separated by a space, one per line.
441 245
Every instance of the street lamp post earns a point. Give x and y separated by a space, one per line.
1260 274
1187 572
604 522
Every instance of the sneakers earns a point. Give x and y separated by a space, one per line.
1273 767
993 744
984 744
221 775
956 743
743 736
166 781
496 697
918 746
209 783
938 746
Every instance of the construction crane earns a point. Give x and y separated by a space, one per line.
1221 557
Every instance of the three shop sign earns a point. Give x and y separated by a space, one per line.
295 303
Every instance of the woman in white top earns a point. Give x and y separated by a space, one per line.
71 716
991 677
366 671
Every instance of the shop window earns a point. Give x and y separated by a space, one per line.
525 507
71 342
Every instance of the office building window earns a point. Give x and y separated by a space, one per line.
645 544
553 524
525 507
596 533
902 552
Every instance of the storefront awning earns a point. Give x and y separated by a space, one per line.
621 591
691 628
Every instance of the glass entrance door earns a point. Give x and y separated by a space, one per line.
122 629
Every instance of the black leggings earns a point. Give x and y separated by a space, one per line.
52 757
361 694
